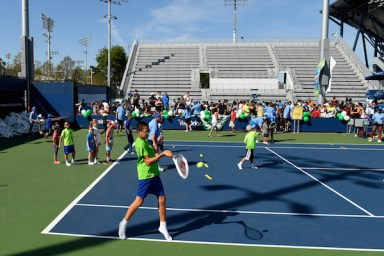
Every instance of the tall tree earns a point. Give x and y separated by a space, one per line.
66 67
118 63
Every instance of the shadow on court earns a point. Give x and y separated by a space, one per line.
63 248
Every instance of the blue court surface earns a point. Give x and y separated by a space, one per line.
301 196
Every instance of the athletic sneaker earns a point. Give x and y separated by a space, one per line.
379 141
254 167
122 227
56 162
132 153
73 161
96 162
161 169
91 163
370 139
67 164
239 165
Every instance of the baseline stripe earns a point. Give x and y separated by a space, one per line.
240 212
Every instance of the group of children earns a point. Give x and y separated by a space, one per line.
93 142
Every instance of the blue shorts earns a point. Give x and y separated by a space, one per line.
90 148
150 186
69 149
108 148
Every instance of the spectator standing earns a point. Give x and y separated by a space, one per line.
109 141
128 132
55 143
90 140
32 120
120 114
96 132
378 119
187 119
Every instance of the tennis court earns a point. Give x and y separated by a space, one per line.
301 196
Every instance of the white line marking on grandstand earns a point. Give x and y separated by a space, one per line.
74 202
325 185
218 243
240 212
343 169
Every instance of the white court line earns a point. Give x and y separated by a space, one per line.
218 243
240 212
343 169
329 148
279 147
71 205
325 185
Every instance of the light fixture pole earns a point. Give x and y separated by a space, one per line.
235 3
109 17
85 42
48 24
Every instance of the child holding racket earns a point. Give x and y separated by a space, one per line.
250 142
149 180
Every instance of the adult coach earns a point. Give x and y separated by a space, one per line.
149 180
154 134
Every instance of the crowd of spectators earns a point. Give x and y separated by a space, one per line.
279 111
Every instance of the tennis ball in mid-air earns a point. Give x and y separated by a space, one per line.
200 164
201 155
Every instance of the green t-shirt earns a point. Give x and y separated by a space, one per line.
67 137
250 140
144 149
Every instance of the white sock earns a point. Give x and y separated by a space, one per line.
163 229
124 222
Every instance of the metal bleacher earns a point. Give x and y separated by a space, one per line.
175 68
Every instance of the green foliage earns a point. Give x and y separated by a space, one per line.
118 63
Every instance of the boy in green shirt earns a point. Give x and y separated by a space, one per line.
69 145
149 180
250 142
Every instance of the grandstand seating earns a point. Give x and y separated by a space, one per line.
174 67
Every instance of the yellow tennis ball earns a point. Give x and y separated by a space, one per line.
201 155
200 164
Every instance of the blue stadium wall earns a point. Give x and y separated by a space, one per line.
56 98
12 94
90 93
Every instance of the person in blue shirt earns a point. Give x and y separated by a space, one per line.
120 114
196 108
187 119
48 126
287 116
165 99
32 119
90 146
128 131
154 133
378 119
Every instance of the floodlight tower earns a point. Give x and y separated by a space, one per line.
85 42
48 24
26 53
109 17
235 3
324 53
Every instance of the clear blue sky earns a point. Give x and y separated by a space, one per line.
172 20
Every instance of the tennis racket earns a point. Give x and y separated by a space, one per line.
182 166
272 125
